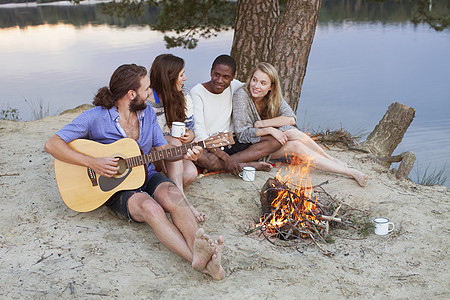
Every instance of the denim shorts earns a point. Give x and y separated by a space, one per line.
118 202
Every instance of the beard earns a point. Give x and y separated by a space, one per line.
137 104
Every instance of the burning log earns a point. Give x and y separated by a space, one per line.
293 209
291 213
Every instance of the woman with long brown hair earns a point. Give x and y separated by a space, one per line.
259 109
173 103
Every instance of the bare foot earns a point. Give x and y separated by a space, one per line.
203 250
359 176
200 217
214 266
258 165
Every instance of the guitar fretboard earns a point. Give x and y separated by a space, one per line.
160 155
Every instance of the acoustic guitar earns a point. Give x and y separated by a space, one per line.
83 190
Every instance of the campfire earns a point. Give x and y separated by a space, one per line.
292 208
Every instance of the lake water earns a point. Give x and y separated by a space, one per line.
359 64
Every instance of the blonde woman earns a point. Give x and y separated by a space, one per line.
259 109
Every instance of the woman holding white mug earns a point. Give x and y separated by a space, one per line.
173 104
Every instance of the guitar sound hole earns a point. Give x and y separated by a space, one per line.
122 166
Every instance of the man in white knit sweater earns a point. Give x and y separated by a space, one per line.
212 114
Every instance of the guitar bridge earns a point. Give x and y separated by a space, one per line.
92 176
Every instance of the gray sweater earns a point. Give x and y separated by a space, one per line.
245 115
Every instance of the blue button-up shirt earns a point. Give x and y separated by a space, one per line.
102 125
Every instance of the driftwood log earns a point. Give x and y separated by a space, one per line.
386 136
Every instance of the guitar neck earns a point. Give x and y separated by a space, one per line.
161 154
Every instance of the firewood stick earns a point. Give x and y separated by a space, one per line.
336 211
329 218
9 174
326 252
263 222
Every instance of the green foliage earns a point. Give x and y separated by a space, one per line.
435 13
330 239
125 8
425 14
428 177
190 20
11 114
364 225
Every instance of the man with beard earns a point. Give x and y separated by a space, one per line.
212 113
121 112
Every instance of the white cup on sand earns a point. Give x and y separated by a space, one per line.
382 226
248 173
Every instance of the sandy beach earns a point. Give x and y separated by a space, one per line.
48 251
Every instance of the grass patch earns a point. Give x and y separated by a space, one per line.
364 225
10 114
39 109
431 177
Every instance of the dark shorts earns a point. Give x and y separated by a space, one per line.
118 202
236 147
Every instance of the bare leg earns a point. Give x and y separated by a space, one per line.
143 208
247 157
173 202
297 135
320 162
266 146
183 173
258 165
210 162
183 236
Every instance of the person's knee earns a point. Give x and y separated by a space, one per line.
189 175
173 141
143 208
169 194
270 144
296 145
209 161
153 210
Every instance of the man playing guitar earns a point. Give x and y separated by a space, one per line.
121 112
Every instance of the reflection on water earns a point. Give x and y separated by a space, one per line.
363 58
356 71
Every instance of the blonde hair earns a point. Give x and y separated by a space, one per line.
272 100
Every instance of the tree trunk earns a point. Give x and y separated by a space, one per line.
389 132
260 35
386 136
254 31
292 45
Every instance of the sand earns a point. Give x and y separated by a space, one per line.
48 251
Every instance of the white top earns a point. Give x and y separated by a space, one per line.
212 112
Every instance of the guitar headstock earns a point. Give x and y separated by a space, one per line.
219 140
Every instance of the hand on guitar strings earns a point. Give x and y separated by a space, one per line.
194 153
105 166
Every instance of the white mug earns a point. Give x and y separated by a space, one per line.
178 129
248 173
382 226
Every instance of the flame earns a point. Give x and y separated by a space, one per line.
293 204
